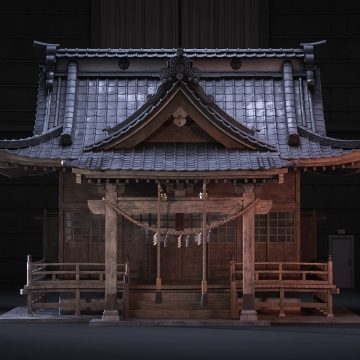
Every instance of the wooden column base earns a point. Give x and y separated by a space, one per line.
111 312
248 316
248 312
110 315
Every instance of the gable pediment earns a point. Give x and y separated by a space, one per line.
181 114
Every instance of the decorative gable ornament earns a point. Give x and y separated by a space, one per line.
180 116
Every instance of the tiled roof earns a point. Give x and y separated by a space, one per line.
191 53
179 157
267 106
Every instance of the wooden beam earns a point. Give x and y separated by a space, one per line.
225 205
149 205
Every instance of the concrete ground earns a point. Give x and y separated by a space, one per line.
81 341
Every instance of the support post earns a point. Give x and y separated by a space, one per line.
248 312
111 312
158 294
204 289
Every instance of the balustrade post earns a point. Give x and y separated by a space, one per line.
29 269
329 291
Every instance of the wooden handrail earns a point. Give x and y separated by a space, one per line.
71 277
315 277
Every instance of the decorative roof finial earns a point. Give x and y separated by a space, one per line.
309 61
180 68
50 61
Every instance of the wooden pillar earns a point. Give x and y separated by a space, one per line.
203 301
111 312
248 313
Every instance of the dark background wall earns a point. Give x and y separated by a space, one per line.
157 24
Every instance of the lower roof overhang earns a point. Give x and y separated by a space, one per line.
347 160
14 166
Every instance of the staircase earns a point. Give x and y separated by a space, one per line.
179 303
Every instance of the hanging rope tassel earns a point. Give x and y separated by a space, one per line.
155 239
179 241
165 240
198 239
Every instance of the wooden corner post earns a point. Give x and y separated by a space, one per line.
248 312
111 312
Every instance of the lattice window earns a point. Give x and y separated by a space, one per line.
275 227
97 228
225 233
261 228
82 226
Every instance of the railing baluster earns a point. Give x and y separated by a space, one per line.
29 270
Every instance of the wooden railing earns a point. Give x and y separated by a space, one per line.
285 277
45 278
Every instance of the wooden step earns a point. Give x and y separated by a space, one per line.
179 314
179 304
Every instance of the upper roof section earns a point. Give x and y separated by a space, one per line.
258 103
151 61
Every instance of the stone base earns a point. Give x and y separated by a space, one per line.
110 315
248 316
